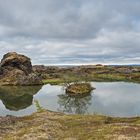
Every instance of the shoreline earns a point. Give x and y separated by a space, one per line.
59 126
54 125
100 73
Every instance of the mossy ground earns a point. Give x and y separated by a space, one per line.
101 74
53 81
49 125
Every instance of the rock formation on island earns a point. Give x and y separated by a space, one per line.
16 69
79 89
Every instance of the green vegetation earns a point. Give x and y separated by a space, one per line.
110 77
53 81
92 73
57 81
38 106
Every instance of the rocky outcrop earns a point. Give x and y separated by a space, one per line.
79 89
16 69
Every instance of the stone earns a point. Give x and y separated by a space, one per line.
16 69
13 60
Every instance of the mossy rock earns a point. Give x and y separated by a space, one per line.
16 69
79 89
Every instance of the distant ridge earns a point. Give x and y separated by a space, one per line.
136 65
74 65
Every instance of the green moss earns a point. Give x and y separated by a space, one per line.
53 81
110 77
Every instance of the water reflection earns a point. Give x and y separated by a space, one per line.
17 98
117 99
74 105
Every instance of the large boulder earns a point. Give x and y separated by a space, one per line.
13 60
16 69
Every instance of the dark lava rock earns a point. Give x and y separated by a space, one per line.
13 60
16 69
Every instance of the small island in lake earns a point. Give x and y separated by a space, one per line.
79 89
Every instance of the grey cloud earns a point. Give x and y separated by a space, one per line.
75 31
56 19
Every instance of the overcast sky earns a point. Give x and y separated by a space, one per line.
72 31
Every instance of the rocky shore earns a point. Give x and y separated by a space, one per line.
101 73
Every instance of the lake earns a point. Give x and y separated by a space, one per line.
120 99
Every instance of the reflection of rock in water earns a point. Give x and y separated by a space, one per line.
17 98
74 105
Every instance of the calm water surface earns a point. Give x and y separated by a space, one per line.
110 98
